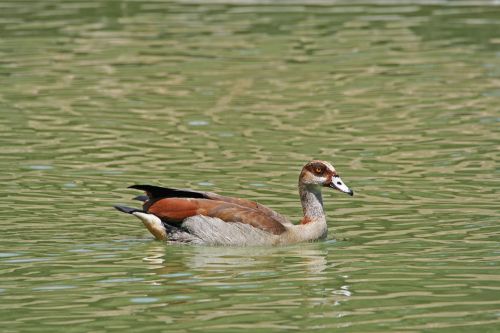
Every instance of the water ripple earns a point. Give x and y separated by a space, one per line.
234 97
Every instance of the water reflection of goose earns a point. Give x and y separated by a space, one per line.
291 275
208 218
311 258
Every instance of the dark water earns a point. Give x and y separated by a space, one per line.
234 98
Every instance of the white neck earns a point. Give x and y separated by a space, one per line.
312 203
313 226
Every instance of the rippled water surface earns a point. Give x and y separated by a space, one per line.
234 98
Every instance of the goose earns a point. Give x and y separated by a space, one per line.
195 217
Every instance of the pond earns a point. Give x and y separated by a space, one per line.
234 97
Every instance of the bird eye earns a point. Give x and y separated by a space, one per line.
317 170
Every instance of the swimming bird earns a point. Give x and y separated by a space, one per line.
187 216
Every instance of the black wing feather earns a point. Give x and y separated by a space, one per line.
158 192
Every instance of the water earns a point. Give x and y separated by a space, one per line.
402 97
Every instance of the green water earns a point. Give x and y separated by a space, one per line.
404 99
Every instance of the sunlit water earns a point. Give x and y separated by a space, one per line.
403 99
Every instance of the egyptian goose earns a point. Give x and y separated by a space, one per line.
185 216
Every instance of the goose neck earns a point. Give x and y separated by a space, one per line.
312 202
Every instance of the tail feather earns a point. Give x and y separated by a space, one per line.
142 198
157 192
161 231
127 210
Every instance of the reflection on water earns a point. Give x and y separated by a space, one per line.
234 98
233 273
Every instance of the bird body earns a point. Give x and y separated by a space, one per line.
186 216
